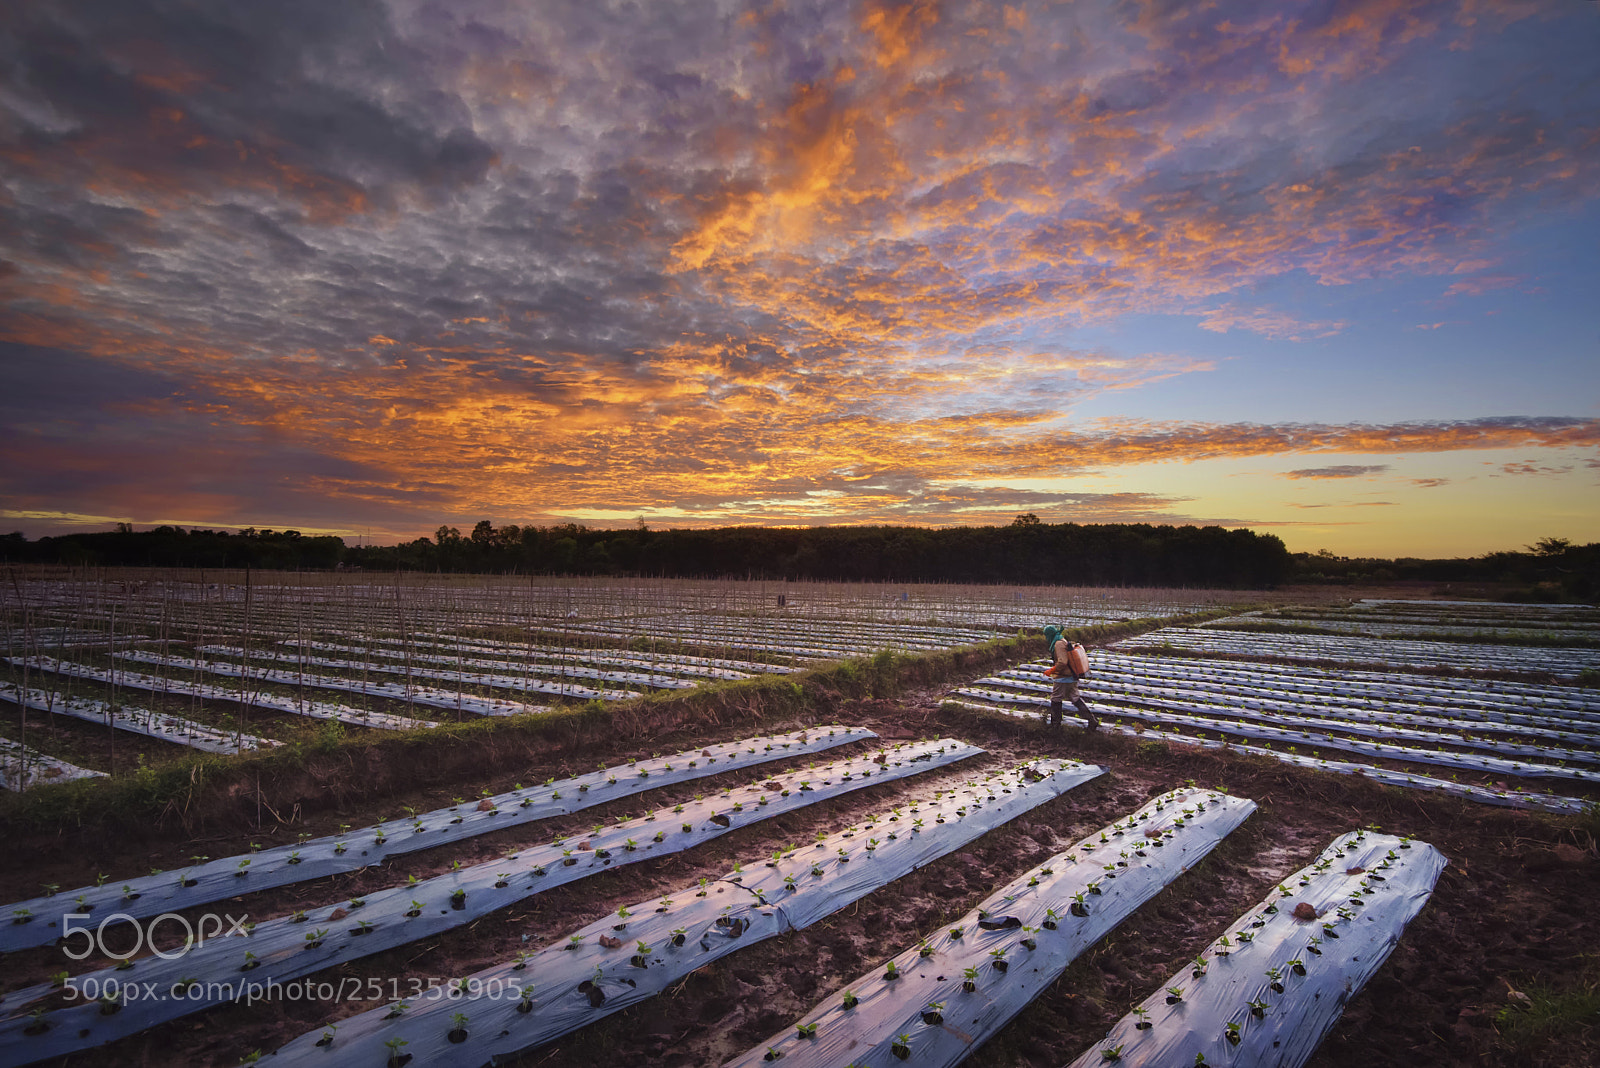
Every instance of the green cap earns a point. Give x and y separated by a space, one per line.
1052 634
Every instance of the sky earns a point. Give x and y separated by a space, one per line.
1326 270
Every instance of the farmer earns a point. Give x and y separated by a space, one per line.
1066 680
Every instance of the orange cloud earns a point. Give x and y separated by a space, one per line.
577 263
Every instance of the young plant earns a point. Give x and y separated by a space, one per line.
396 1058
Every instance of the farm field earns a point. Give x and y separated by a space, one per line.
179 660
768 827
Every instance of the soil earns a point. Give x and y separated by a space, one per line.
1513 915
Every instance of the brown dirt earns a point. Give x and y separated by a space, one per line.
1515 910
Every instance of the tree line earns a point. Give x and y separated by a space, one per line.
1025 552
169 546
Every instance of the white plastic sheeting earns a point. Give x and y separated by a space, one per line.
1566 663
451 669
22 766
1269 990
408 692
1010 948
288 948
133 680
215 879
1443 710
1373 626
1503 796
1202 717
804 639
143 721
1392 690
536 661
580 979
682 663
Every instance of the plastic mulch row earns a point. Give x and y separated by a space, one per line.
619 960
158 988
935 1002
141 721
1270 988
131 680
215 879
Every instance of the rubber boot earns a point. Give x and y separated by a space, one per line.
1055 715
1088 713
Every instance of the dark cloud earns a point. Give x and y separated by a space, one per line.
589 255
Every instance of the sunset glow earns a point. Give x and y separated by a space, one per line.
1324 270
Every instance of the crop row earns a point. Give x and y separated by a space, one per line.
249 697
1322 734
1498 793
801 640
1568 663
1489 613
1267 994
1350 622
37 921
1397 691
1517 735
534 677
409 692
313 939
1554 734
934 1002
640 951
436 644
141 721
22 766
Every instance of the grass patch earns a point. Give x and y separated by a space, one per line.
1547 1015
